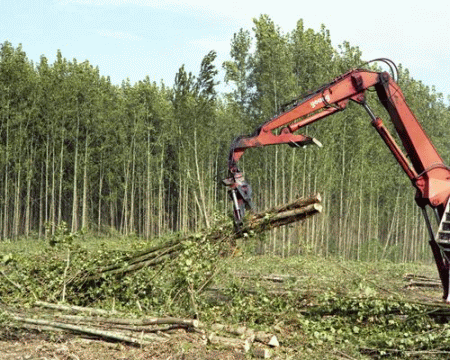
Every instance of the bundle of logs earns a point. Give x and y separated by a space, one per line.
115 326
421 281
297 210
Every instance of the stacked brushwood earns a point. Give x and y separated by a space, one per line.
224 234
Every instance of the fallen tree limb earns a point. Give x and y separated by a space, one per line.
424 284
136 322
418 277
152 256
272 277
17 286
108 335
74 308
135 266
220 291
145 329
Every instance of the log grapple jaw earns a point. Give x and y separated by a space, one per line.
240 193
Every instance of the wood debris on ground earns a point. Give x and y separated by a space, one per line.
114 326
421 281
105 325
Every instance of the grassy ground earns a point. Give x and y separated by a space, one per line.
335 310
319 308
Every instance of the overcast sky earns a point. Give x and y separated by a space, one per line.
135 38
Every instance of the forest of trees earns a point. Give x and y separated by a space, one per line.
148 158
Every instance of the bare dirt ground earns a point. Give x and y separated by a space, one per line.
39 346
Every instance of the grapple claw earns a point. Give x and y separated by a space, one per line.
240 193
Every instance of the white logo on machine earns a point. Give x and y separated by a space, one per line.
319 101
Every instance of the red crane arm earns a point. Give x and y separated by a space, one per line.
419 160
327 100
432 176
425 167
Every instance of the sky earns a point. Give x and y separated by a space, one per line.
135 38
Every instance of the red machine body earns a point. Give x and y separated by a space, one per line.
419 160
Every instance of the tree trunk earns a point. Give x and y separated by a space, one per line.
161 193
148 211
360 214
124 220
47 161
6 198
131 225
28 196
61 177
53 190
17 204
41 206
84 208
201 185
75 180
100 189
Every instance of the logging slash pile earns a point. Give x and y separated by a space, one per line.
182 289
171 276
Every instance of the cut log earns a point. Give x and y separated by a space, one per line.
261 353
267 339
249 334
236 344
136 322
421 281
419 277
272 278
272 220
297 203
429 284
108 335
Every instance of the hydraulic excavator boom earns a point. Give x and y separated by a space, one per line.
419 160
